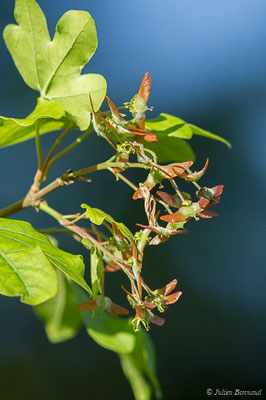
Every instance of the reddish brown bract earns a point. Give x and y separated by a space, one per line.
145 87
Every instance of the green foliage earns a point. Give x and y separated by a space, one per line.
60 316
26 273
16 130
140 369
169 131
112 333
97 217
201 132
171 149
21 237
170 126
97 269
53 67
134 349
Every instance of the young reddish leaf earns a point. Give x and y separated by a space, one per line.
116 310
207 214
175 217
172 298
145 87
103 303
124 127
157 320
115 113
184 213
156 175
217 191
89 305
169 287
195 176
209 197
102 127
170 199
138 106
148 305
178 170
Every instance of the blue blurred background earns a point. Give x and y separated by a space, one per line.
207 61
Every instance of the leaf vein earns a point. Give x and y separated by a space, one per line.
49 80
34 49
15 271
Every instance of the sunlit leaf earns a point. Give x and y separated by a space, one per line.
16 130
98 217
135 349
96 271
171 149
60 316
201 132
20 236
112 333
26 273
53 67
170 126
139 367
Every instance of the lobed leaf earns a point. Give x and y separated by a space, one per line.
53 67
21 237
60 316
16 130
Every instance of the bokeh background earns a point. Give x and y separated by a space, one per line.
207 61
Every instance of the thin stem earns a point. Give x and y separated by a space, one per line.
154 165
134 187
32 199
65 151
127 181
107 165
38 146
55 145
109 112
177 189
58 231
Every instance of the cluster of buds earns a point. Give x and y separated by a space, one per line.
125 252
159 298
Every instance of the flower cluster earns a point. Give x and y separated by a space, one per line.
124 251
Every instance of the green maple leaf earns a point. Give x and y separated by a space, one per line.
16 130
53 67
